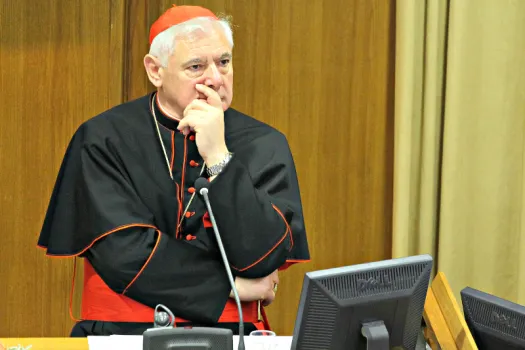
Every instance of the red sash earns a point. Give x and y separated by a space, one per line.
100 303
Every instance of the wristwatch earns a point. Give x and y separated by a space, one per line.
217 168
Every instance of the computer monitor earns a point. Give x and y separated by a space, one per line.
374 306
495 323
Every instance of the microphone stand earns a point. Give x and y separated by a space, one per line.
204 193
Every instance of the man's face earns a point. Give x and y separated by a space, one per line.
199 58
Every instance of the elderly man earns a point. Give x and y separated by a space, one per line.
124 198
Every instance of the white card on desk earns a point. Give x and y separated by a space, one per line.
114 342
264 343
99 342
134 342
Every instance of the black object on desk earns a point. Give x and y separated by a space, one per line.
374 306
199 338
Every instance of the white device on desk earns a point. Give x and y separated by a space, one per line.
134 342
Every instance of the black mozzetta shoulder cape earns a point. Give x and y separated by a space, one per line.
115 204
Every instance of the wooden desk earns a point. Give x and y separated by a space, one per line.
445 325
46 343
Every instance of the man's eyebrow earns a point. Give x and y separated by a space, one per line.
197 60
225 56
193 61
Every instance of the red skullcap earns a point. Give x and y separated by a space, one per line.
176 15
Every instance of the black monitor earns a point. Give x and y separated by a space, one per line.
374 306
495 323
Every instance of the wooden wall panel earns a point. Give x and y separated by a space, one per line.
60 64
321 71
140 14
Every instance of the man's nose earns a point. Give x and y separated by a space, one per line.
213 77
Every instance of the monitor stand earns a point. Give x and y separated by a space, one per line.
376 335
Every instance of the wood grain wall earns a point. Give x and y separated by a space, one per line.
321 72
60 63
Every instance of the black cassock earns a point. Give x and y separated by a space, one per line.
114 178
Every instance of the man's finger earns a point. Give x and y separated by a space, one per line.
191 121
269 299
186 122
192 117
194 106
213 97
199 105
275 276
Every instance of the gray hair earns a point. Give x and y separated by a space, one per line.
163 45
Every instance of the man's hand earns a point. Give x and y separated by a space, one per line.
258 288
206 118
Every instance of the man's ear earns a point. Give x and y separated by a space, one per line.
153 69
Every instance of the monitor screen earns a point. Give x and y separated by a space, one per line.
495 323
376 305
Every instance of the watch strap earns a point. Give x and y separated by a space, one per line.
216 169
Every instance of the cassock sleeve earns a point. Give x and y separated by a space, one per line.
95 212
152 268
257 206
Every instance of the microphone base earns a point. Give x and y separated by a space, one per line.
187 338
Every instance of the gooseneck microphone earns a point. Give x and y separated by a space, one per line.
202 187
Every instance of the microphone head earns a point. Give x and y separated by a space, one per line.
200 184
161 319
